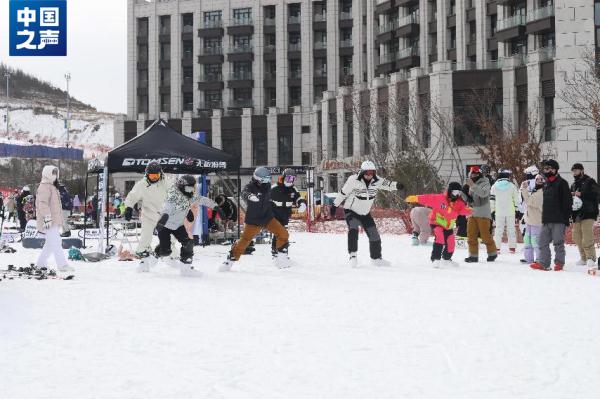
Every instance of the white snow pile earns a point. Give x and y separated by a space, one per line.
316 330
34 123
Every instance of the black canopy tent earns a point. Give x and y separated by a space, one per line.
175 152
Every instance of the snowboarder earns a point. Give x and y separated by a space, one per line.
229 212
151 191
419 217
446 208
532 198
556 212
50 219
177 207
283 197
479 224
585 189
358 195
504 201
259 215
25 192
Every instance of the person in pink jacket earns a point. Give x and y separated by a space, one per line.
446 208
50 219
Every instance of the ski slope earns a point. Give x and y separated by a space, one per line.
317 330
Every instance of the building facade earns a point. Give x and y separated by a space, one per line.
279 82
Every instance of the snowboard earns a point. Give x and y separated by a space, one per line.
32 273
151 261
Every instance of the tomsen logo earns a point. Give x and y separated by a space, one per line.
38 27
146 161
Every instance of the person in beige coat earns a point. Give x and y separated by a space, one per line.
50 219
533 199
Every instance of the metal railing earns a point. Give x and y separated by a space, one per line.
319 17
269 48
211 51
511 22
345 15
240 48
241 21
294 19
385 58
408 52
409 19
320 45
211 77
241 103
187 29
320 73
240 75
546 53
388 26
295 74
212 23
270 75
346 43
269 21
294 46
540 13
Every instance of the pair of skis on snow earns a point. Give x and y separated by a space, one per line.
32 273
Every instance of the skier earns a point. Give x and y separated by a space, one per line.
50 219
283 197
259 215
358 195
419 217
585 193
504 201
177 207
532 198
556 212
446 208
151 190
25 192
479 224
67 207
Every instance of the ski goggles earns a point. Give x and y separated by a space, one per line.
369 173
265 179
153 176
189 189
289 179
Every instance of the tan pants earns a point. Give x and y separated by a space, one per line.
251 230
477 227
583 235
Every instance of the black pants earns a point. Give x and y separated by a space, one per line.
354 221
461 226
164 247
443 243
22 219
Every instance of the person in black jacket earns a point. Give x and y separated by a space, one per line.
229 212
20 211
586 190
556 212
259 215
283 197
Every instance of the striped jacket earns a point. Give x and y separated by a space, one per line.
359 195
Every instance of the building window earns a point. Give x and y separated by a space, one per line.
165 25
306 158
295 69
285 149
213 72
270 97
165 103
187 20
188 101
187 75
242 16
212 99
188 49
142 25
452 39
451 7
259 149
165 77
320 67
295 96
549 125
165 51
493 24
213 45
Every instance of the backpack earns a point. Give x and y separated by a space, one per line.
75 254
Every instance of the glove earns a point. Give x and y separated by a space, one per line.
332 210
162 221
411 199
399 186
190 216
253 198
302 208
466 189
47 222
218 210
128 213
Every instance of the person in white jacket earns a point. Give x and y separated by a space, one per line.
151 191
533 199
358 195
505 200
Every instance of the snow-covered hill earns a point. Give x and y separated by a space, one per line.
34 122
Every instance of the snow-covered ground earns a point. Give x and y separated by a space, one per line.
317 330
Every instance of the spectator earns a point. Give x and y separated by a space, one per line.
585 212
11 207
556 211
505 199
25 192
480 222
532 198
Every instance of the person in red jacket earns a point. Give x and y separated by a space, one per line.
446 208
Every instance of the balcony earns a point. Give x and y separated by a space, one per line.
540 20
320 73
210 81
408 25
546 54
389 26
240 79
241 26
345 47
345 15
211 28
293 19
294 47
345 19
210 55
241 103
210 105
320 46
269 21
511 28
408 58
240 52
319 17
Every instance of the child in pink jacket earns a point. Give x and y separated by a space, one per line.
446 208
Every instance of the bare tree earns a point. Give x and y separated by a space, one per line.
582 90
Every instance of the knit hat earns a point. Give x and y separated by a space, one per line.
577 166
551 163
475 169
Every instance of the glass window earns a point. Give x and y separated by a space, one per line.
285 148
259 149
549 125
242 14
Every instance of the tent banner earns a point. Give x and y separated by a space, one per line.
40 151
200 163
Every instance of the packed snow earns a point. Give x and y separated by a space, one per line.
317 330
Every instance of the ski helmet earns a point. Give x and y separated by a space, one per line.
504 173
577 203
485 169
288 177
187 185
262 175
454 190
531 172
153 172
367 166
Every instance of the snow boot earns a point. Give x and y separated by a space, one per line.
380 262
226 266
449 262
558 267
538 266
415 239
437 264
187 270
353 261
146 263
492 258
472 259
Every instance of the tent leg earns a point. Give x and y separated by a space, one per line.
87 174
239 185
107 206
